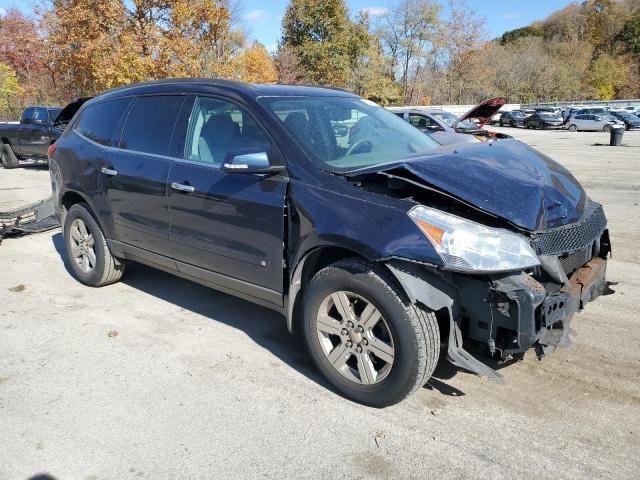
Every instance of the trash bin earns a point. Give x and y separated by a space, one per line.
616 132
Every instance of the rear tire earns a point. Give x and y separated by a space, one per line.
406 337
90 259
8 159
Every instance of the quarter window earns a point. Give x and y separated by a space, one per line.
149 125
98 122
219 128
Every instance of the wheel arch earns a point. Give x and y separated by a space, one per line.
314 260
72 197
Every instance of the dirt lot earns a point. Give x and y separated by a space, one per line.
156 377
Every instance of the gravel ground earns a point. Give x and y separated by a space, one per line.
157 377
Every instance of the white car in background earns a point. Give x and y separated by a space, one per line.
631 110
591 122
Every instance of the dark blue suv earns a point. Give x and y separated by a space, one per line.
377 244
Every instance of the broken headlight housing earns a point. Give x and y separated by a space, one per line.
469 246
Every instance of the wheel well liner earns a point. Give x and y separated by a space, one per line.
71 198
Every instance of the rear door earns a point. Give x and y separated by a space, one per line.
592 123
227 228
135 173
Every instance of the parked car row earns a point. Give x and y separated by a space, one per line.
586 119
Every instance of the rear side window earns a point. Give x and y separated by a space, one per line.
98 122
150 124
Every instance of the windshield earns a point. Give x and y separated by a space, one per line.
450 119
347 133
517 113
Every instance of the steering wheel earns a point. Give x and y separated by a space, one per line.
359 145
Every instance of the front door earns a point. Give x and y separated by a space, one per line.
227 228
33 134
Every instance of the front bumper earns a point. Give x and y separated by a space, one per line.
511 313
528 314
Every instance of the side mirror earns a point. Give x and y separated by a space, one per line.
249 162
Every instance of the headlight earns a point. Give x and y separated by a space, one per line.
470 246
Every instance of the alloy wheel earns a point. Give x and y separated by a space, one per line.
82 244
355 338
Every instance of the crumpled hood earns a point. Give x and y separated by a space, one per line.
506 178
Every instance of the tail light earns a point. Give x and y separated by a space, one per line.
51 150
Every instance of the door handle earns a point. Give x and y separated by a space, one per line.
109 171
181 187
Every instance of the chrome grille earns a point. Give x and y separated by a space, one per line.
575 236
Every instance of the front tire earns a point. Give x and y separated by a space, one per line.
365 336
89 256
8 159
606 128
573 128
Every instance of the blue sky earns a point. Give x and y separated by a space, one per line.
262 17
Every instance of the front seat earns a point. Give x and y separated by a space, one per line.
216 138
296 123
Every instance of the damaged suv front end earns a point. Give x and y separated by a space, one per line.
520 247
489 244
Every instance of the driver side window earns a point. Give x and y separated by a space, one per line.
421 121
218 129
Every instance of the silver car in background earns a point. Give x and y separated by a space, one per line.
447 128
590 122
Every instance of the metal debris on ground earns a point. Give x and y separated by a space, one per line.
33 218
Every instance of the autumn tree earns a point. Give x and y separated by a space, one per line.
408 33
465 35
101 44
83 36
21 44
629 35
373 76
606 76
604 19
202 38
10 92
256 65
287 65
523 32
325 41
